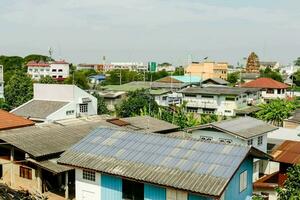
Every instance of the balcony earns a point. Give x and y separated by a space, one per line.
201 103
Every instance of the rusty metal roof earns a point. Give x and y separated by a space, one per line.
186 164
288 152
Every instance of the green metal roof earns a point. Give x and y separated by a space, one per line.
187 79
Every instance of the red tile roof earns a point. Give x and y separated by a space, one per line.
10 121
37 64
265 83
287 152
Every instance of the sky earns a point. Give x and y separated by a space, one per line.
83 31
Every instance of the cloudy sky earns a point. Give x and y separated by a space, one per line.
159 30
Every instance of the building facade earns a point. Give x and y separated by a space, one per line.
131 66
206 70
1 82
58 70
219 100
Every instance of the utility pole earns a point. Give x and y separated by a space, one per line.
120 76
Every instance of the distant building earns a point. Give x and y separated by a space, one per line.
271 89
215 81
114 164
180 79
58 70
167 68
131 66
226 101
84 66
247 77
53 102
293 121
269 64
206 70
1 82
252 65
96 79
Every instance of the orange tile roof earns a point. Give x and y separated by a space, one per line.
287 152
265 83
10 121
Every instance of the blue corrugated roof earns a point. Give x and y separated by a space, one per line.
187 79
98 77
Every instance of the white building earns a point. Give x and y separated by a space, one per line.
242 131
132 66
226 101
58 70
1 82
53 102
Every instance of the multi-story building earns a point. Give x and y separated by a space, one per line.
206 70
58 70
96 67
1 82
224 101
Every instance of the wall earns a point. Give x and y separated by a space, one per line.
152 192
207 70
79 94
38 72
62 113
54 92
288 124
232 191
111 187
64 67
87 190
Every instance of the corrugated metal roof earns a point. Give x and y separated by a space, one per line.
216 80
245 127
185 164
38 109
187 79
288 152
218 90
51 165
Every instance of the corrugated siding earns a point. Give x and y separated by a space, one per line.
195 197
154 192
111 188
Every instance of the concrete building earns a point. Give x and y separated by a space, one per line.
134 165
206 70
84 66
226 101
132 66
58 70
271 89
53 102
242 131
269 64
1 82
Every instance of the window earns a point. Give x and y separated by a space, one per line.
41 70
250 142
70 112
83 108
25 172
243 181
88 175
164 98
229 98
270 91
191 109
279 91
205 138
53 76
132 190
207 96
30 70
208 111
53 70
190 95
225 141
47 70
228 111
60 76
259 140
60 70
35 70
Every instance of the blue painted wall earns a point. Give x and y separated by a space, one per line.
111 187
233 189
152 192
195 197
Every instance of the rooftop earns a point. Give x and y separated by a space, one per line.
287 152
219 81
295 117
11 121
185 164
180 79
218 90
244 127
265 83
38 109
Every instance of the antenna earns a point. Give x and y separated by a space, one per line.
50 50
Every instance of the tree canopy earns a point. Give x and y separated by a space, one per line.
18 90
47 80
233 78
291 187
80 79
276 111
297 61
101 105
269 73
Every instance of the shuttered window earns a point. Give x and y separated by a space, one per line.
25 172
243 181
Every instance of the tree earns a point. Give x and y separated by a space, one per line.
296 77
253 64
297 62
80 80
273 74
101 104
179 71
36 57
4 105
276 111
291 187
233 78
135 103
18 90
47 80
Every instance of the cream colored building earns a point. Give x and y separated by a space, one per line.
208 69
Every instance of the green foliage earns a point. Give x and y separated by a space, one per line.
164 64
36 57
101 104
291 187
269 73
4 105
233 78
153 76
135 102
257 197
297 62
296 77
80 80
179 71
47 80
113 77
276 111
18 90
